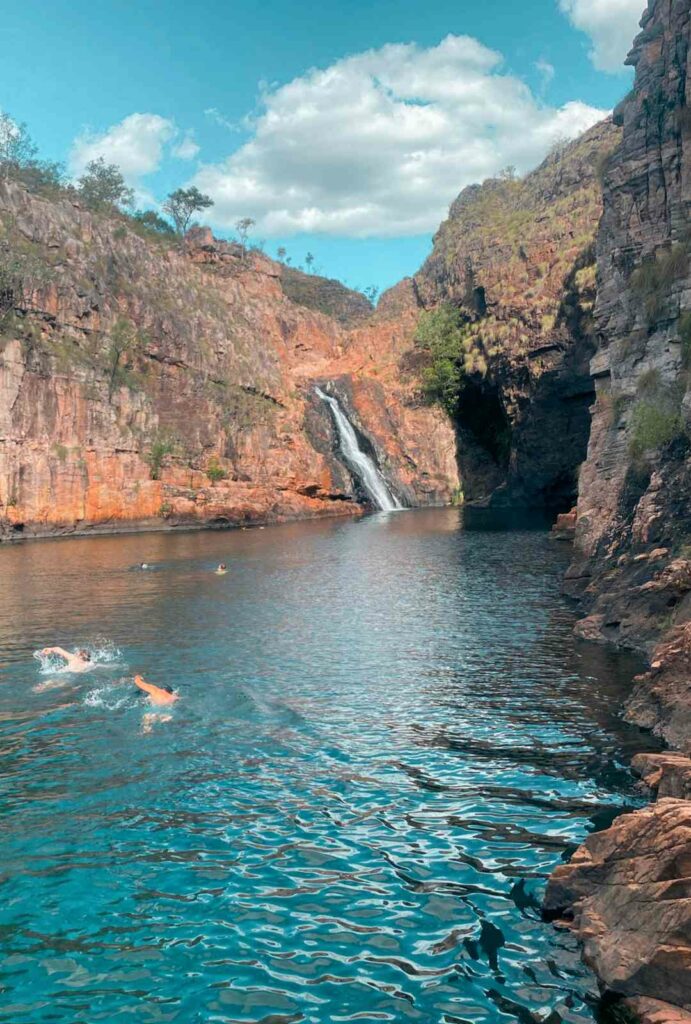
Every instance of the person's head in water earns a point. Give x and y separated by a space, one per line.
84 654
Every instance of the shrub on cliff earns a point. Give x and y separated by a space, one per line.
653 426
441 333
124 346
19 159
654 278
453 353
153 223
215 471
20 274
102 186
685 338
161 447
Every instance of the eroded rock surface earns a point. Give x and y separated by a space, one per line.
518 257
632 567
627 891
149 384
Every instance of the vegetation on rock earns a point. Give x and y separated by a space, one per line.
182 204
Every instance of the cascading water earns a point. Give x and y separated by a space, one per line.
358 462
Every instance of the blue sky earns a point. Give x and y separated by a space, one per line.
343 128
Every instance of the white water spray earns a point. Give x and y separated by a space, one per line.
359 463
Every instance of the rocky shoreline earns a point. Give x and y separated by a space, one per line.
626 892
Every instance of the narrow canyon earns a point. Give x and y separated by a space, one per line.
150 385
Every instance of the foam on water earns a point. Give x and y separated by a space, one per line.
102 653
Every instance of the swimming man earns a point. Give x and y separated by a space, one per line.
80 661
158 695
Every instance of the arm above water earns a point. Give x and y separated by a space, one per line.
57 650
157 695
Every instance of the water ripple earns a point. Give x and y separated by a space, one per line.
387 739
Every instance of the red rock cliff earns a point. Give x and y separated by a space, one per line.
143 385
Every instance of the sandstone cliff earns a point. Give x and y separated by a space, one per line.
518 257
633 560
626 891
146 384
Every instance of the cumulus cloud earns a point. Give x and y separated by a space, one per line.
611 25
136 145
380 142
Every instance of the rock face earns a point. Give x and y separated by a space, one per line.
628 893
145 384
518 256
633 560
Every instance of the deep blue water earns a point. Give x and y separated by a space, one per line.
387 738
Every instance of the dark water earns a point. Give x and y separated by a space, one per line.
387 738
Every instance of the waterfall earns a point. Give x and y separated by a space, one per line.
360 463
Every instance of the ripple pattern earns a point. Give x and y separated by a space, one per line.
387 738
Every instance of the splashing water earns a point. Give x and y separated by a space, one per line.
359 463
101 652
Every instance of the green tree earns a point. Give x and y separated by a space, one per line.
152 221
16 146
309 261
215 471
371 292
123 345
102 186
243 228
282 252
182 204
20 275
18 158
162 446
443 335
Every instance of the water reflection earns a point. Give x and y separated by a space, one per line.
387 739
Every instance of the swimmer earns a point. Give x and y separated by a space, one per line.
50 684
222 569
80 661
144 565
151 718
157 694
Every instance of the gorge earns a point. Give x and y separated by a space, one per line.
146 385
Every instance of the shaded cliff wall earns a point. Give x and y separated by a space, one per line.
633 560
145 384
518 258
626 892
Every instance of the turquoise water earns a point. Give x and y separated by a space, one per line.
387 738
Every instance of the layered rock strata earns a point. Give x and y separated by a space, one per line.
517 256
149 385
627 891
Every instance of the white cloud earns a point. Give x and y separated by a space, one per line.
215 115
611 25
187 148
136 145
380 142
546 71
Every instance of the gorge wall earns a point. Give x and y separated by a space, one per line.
517 257
627 891
148 384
